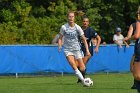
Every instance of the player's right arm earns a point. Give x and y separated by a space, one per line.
60 42
129 34
98 43
61 33
86 45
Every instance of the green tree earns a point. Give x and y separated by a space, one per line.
37 22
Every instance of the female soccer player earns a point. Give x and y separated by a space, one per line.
71 31
136 68
89 34
132 30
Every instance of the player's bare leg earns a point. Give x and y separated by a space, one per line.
72 62
132 69
85 60
136 74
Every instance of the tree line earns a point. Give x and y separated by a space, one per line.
38 21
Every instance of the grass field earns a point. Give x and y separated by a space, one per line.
103 83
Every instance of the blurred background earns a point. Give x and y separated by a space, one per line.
38 21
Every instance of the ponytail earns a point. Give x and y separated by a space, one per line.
138 13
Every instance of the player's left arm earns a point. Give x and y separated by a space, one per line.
86 45
98 44
95 35
81 34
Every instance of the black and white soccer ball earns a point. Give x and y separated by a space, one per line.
88 82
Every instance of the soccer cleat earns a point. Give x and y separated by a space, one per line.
79 81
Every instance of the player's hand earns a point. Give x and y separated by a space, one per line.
96 50
59 48
88 53
125 39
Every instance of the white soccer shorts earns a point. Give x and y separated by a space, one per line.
76 53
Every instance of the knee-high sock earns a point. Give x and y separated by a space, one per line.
137 84
79 75
83 72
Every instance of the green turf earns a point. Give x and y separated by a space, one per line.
103 83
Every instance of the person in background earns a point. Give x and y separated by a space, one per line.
104 43
92 38
118 38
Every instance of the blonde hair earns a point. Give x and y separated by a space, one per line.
138 13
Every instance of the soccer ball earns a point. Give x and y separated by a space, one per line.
88 82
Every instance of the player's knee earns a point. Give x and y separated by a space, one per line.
137 77
82 68
87 57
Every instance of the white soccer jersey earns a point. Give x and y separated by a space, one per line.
71 41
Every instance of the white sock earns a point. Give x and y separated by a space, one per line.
79 75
